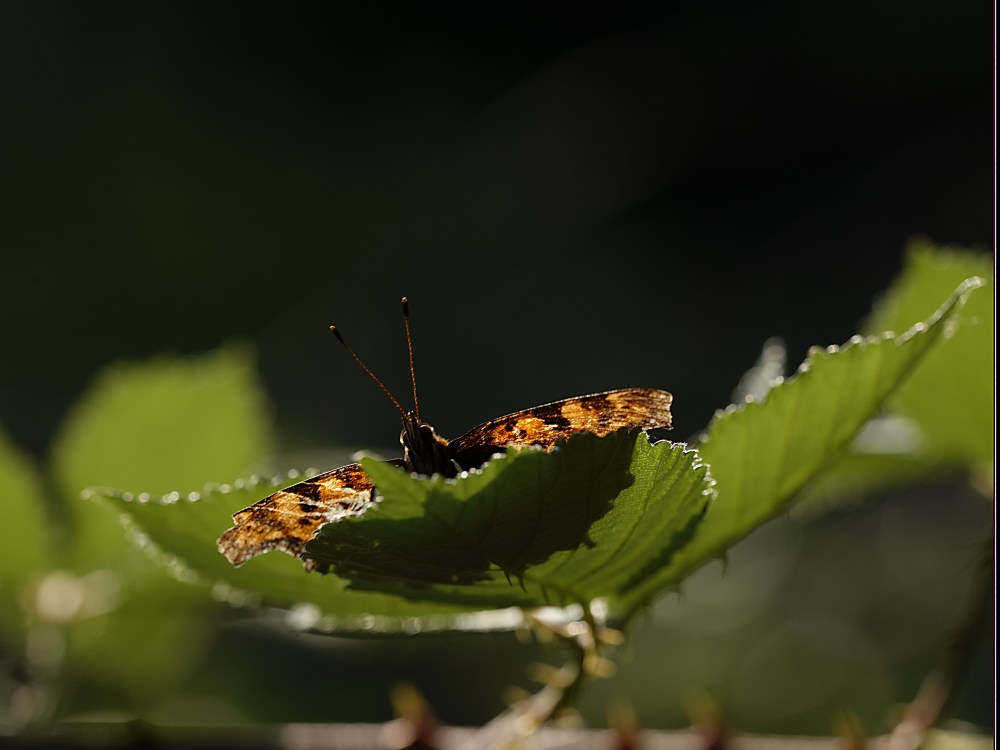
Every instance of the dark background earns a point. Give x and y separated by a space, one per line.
573 199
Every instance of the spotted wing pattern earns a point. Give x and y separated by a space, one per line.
599 413
288 519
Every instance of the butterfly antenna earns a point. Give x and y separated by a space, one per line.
409 347
364 367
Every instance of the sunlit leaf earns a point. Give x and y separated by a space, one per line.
180 530
596 518
762 453
941 419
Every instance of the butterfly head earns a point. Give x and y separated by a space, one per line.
424 451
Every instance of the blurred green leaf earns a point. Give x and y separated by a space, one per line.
165 423
155 426
856 475
138 650
951 394
27 538
762 453
158 424
597 518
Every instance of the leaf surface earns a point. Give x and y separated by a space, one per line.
598 518
763 452
180 532
940 420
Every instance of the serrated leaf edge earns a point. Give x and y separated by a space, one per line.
698 466
304 616
957 298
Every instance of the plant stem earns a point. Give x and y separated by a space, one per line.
561 686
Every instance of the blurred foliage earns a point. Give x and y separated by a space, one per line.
92 624
103 625
950 396
132 429
27 543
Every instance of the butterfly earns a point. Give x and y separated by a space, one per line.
289 519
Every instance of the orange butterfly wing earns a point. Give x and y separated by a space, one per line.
599 413
288 519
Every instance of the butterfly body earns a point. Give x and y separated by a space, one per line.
424 451
288 519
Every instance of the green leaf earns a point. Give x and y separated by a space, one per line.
180 531
597 518
27 544
951 393
941 418
154 426
165 423
762 453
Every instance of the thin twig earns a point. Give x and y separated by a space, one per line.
562 685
